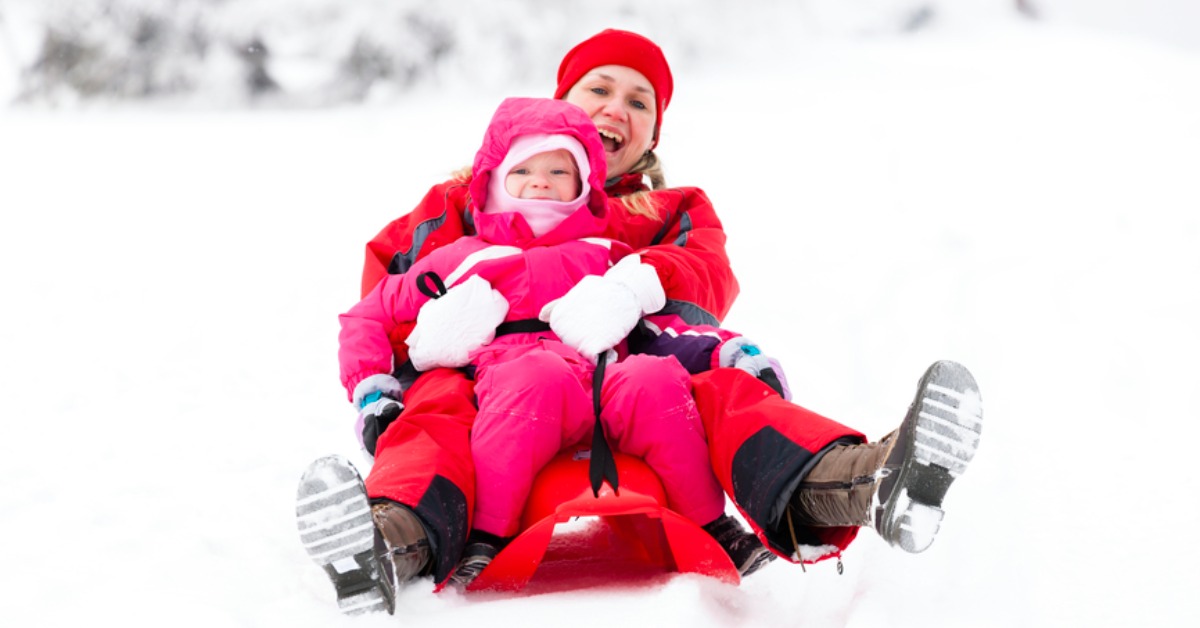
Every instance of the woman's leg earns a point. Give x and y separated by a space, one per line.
807 483
423 462
761 445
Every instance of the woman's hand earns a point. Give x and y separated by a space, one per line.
378 401
740 353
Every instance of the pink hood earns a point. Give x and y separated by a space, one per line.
518 117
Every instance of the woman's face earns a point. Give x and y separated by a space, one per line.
621 102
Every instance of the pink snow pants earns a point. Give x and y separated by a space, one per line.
535 400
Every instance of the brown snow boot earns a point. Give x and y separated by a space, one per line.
838 491
897 485
405 540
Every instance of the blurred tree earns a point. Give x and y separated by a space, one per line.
326 51
258 80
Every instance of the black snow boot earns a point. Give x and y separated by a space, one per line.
744 549
481 548
354 543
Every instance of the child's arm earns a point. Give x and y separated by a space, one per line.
364 343
371 340
400 314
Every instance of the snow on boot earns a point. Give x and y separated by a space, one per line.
744 549
337 530
898 484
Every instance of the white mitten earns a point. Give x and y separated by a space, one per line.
642 280
450 327
599 312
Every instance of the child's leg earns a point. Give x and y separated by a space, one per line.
527 406
647 408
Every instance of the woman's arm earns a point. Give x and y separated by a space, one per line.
686 246
435 222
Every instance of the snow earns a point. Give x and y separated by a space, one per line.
1020 198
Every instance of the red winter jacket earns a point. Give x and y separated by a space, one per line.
686 246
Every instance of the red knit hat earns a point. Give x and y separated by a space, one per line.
616 47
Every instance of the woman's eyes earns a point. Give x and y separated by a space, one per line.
636 104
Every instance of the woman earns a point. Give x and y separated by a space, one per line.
804 482
539 208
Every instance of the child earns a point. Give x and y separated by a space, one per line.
538 206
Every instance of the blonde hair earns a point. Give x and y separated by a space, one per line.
641 203
638 203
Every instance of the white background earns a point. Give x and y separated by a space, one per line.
1021 197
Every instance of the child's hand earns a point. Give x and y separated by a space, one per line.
600 311
453 325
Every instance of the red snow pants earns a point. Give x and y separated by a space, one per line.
423 460
758 444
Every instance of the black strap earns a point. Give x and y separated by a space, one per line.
602 466
438 289
523 326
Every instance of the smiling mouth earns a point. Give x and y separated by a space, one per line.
612 141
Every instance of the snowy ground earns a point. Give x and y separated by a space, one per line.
1023 200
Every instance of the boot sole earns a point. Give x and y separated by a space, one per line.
333 516
759 560
940 435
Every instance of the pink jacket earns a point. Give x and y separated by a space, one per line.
504 251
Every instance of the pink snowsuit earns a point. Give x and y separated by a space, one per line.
534 392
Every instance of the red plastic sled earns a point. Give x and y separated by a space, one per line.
638 516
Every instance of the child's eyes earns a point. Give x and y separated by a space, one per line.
560 172
519 171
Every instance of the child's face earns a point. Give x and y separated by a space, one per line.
545 176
